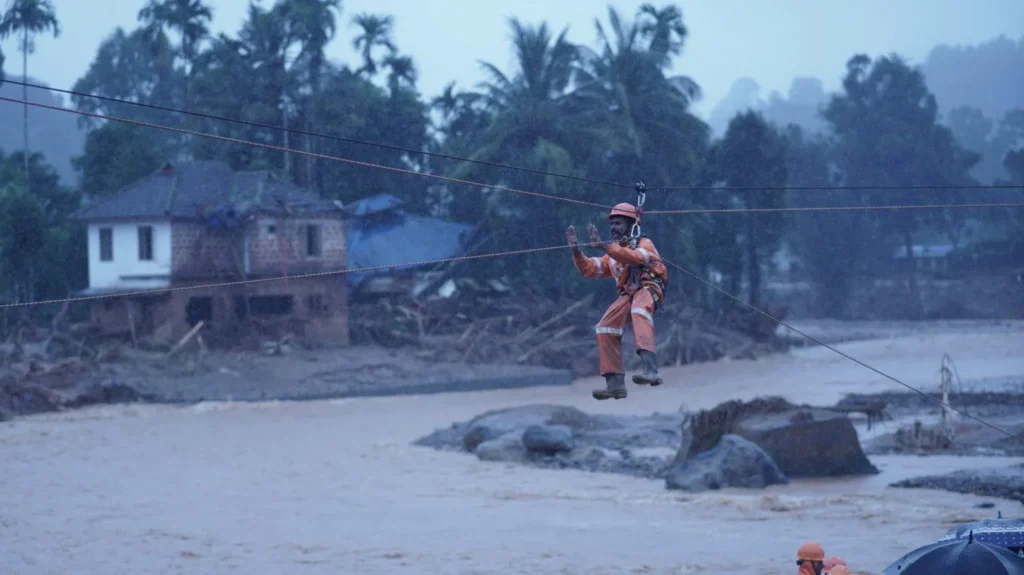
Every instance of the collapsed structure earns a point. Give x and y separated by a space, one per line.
199 222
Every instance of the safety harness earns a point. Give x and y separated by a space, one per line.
638 274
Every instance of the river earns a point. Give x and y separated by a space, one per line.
335 487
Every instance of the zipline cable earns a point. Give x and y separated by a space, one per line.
303 152
519 168
840 208
834 349
318 135
296 277
492 186
508 253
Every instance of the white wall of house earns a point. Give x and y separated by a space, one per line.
125 269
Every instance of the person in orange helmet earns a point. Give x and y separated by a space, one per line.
810 559
833 562
640 280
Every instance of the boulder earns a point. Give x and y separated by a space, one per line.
548 439
808 442
494 424
507 447
734 462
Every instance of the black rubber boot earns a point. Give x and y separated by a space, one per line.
650 375
615 387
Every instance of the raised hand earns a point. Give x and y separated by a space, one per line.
570 235
595 236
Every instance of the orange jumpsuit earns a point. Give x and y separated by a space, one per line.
635 271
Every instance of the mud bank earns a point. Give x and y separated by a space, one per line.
1002 482
301 375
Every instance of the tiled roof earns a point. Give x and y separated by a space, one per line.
188 189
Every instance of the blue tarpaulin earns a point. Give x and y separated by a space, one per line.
379 234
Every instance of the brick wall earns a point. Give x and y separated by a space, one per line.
197 253
199 257
277 247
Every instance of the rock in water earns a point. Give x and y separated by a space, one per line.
548 439
494 424
734 462
808 442
508 447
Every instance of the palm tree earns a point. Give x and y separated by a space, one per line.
402 70
190 18
664 29
376 32
528 108
622 88
30 17
313 24
529 126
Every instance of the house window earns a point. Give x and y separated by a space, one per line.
314 247
315 303
145 243
106 244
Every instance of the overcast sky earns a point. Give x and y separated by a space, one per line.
771 41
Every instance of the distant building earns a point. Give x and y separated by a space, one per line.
198 222
927 258
380 233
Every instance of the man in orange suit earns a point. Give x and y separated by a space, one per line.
640 280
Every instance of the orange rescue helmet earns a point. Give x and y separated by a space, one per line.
624 209
810 551
833 562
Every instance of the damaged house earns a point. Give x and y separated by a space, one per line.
197 223
380 232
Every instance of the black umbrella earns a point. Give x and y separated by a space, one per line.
958 557
1007 533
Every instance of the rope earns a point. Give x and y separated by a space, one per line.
832 348
497 187
506 166
921 188
525 251
295 277
304 153
840 208
315 134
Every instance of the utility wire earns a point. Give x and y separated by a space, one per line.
509 167
832 348
841 208
318 135
304 153
295 277
920 188
492 186
515 252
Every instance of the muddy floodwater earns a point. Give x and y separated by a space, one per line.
334 486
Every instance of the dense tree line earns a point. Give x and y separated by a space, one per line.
609 111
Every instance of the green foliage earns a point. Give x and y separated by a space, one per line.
39 255
885 124
611 111
116 155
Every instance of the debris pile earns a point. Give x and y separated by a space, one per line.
558 335
69 365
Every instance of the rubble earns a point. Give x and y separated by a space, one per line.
68 365
506 329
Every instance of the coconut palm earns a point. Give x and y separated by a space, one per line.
313 24
376 33
29 18
189 18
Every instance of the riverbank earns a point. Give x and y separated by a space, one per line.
336 486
